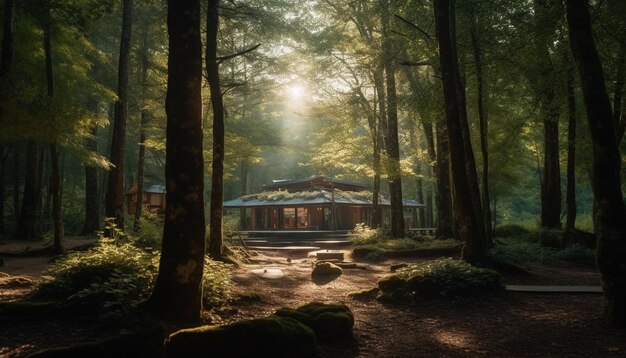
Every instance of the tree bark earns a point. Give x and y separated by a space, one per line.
544 83
379 85
483 124
618 94
432 155
28 227
6 63
55 177
217 165
470 226
143 58
444 188
609 213
177 295
115 187
392 145
570 199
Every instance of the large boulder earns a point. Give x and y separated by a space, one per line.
323 268
271 336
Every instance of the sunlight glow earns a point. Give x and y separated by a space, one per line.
295 91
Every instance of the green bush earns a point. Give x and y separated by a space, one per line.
150 233
120 269
216 283
122 273
438 278
363 235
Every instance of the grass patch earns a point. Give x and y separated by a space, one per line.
520 250
372 244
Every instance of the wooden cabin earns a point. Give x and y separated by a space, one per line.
308 204
153 199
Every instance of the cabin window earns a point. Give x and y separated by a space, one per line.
289 218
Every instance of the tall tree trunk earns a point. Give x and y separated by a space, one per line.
55 182
609 213
217 165
92 200
4 154
177 294
392 145
544 82
482 119
381 133
16 185
432 155
115 188
6 63
28 223
618 94
570 199
470 226
143 58
140 170
444 187
470 161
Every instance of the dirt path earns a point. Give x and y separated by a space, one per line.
499 325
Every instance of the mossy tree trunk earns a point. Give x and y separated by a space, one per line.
609 213
177 295
115 188
469 223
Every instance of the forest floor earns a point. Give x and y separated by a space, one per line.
504 324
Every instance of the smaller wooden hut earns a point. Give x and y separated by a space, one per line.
153 199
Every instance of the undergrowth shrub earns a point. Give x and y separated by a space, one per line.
438 278
515 250
119 269
150 233
363 235
122 273
512 230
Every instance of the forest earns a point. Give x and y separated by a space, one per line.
126 125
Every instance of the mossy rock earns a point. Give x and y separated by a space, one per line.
146 343
364 294
272 336
326 269
362 252
391 283
329 321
